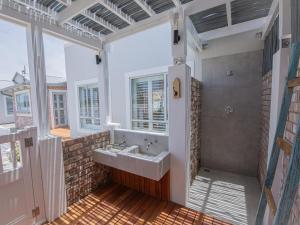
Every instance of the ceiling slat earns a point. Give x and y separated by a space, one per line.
117 11
99 20
143 4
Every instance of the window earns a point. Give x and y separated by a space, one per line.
9 105
149 103
89 111
23 103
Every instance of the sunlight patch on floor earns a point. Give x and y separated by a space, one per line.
226 196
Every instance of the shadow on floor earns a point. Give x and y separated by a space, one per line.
226 196
116 204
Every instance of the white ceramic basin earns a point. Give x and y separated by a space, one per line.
139 152
133 159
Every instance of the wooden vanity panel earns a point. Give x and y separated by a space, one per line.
158 189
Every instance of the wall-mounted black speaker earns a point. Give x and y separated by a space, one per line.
176 37
98 59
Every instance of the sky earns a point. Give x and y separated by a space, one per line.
13 52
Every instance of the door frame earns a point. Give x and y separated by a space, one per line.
51 97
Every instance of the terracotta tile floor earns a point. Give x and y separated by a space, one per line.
64 133
117 204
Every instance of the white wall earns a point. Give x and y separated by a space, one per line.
81 66
244 42
142 51
4 119
146 50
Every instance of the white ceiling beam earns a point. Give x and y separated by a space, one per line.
113 8
20 15
228 13
99 20
192 34
74 9
177 3
256 24
201 5
65 2
273 12
147 8
37 7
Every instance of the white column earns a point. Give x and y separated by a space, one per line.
279 75
280 69
39 92
179 117
284 18
104 78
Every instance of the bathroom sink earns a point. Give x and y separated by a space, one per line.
133 159
114 148
139 152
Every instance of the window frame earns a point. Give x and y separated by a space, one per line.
51 94
6 108
145 74
29 100
79 84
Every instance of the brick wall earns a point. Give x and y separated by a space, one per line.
82 174
290 131
195 127
265 120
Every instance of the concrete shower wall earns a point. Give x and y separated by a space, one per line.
230 141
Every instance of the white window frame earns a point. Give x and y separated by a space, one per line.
128 93
77 85
5 106
16 106
51 93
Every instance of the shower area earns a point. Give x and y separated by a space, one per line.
226 184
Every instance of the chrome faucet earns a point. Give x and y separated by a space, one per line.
124 142
148 144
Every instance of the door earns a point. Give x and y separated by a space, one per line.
59 109
16 191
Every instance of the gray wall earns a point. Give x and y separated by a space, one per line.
230 141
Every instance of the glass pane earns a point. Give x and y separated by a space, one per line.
89 107
82 101
96 103
61 101
97 122
159 127
140 99
23 103
9 105
140 125
62 113
158 95
89 102
7 156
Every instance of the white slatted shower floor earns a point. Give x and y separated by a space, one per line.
227 196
